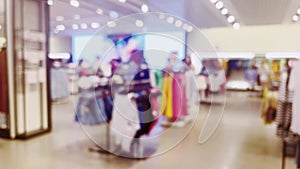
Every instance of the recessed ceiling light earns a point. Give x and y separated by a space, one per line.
50 2
213 1
139 23
170 19
295 18
60 27
178 23
236 25
59 18
75 26
95 25
219 5
77 17
113 14
74 3
99 11
111 24
144 8
190 28
185 26
231 19
298 11
122 1
0 26
224 11
83 26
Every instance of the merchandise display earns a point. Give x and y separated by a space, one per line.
133 84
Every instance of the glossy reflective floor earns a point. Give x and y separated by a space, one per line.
241 141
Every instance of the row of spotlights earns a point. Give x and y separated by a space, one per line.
295 18
224 11
74 3
83 26
177 23
94 25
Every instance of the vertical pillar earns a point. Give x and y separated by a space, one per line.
27 49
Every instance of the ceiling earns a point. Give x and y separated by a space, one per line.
197 13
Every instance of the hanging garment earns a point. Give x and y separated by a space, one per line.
191 90
294 85
141 81
100 108
167 97
89 111
125 121
159 79
179 96
284 108
145 115
201 82
269 107
108 105
155 106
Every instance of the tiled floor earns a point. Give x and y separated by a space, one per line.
241 141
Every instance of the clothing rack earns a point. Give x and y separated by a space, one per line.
137 148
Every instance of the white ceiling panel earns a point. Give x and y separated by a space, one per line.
201 13
261 12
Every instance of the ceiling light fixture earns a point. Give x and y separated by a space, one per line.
144 8
83 26
122 1
139 23
113 14
99 11
60 27
75 26
95 25
236 25
231 19
185 26
170 19
74 3
298 11
189 28
0 26
213 1
178 23
224 11
50 2
59 18
295 18
219 5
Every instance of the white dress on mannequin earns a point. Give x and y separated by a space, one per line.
294 84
